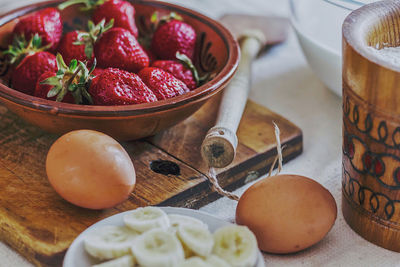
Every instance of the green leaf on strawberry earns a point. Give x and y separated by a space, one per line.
92 35
88 4
20 48
187 62
73 78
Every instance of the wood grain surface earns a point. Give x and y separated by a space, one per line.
371 125
40 225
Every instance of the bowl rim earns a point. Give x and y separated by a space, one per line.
206 90
355 25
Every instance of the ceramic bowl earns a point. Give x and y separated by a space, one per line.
217 52
318 26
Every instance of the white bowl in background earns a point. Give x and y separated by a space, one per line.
318 26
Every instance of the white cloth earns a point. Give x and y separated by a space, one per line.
283 82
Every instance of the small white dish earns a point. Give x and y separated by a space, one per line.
77 256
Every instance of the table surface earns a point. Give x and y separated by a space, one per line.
283 81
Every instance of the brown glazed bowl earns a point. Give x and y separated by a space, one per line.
217 52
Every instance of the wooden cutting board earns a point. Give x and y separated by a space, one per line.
40 225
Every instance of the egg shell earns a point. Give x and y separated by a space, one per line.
90 169
287 213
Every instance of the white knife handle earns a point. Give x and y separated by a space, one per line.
219 146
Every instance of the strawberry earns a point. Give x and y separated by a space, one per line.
97 71
46 22
163 84
121 11
118 48
151 55
119 87
67 85
172 37
178 70
69 51
30 62
182 69
79 44
42 90
26 74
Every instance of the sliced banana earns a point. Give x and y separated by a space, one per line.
216 261
110 242
144 219
157 248
194 262
196 238
177 219
124 261
237 245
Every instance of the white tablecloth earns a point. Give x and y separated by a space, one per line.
283 82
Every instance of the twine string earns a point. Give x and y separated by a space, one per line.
212 175
279 148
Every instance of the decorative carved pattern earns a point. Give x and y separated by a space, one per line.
379 131
206 61
376 202
372 164
371 159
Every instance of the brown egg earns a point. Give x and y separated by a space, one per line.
90 169
287 213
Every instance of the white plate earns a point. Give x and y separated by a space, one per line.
77 256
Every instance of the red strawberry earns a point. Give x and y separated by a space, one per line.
46 22
42 90
178 70
119 87
69 51
68 84
97 71
30 62
151 55
79 44
26 74
118 48
172 37
163 84
121 11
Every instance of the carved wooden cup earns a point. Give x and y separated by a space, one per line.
371 125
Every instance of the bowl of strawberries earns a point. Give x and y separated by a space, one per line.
126 68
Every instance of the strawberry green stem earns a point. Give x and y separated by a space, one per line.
73 78
64 90
20 48
89 38
185 60
89 4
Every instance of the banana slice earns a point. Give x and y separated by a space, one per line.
194 262
157 248
124 261
177 219
196 238
144 219
216 261
110 242
237 245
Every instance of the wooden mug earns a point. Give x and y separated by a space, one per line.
371 125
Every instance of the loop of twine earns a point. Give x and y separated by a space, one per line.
212 175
